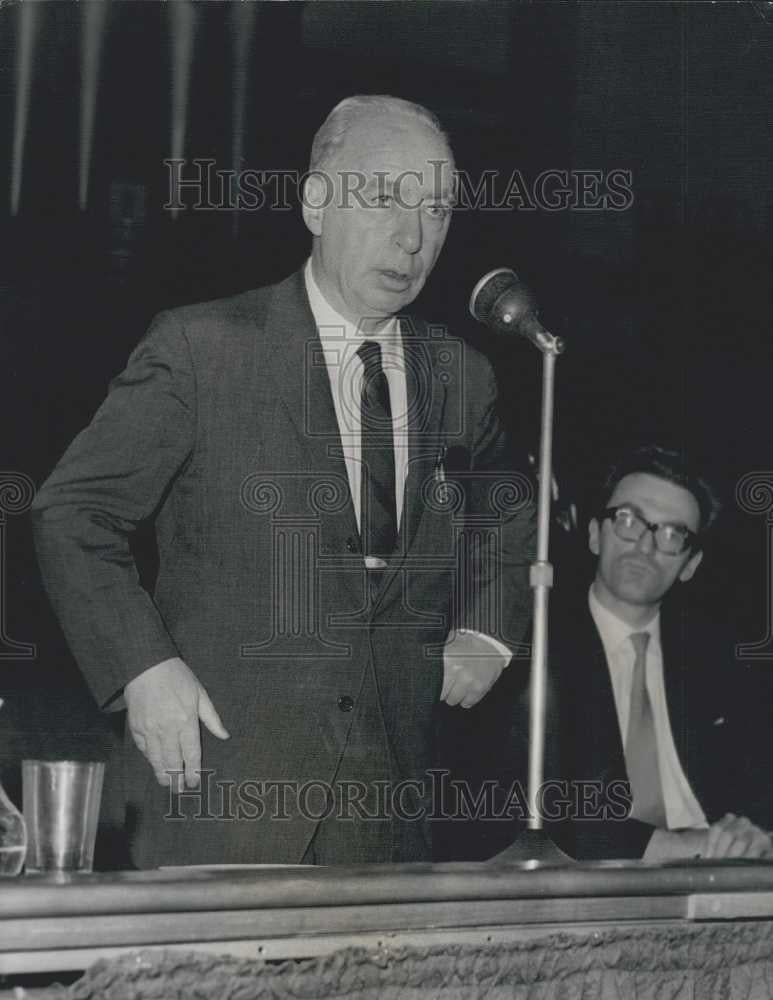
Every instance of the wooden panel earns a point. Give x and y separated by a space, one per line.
302 946
730 905
156 928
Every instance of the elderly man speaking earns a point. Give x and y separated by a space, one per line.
319 469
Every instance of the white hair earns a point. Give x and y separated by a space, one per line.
332 132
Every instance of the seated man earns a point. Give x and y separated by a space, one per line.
652 726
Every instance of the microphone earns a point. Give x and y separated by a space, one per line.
503 303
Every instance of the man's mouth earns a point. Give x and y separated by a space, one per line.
638 565
396 277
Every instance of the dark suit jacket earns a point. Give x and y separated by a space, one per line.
708 712
222 431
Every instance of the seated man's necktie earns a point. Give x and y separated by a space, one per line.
641 751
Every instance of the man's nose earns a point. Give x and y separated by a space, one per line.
646 543
409 234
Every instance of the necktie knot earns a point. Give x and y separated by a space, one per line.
369 352
375 412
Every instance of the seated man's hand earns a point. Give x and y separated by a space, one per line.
165 704
730 837
471 666
737 837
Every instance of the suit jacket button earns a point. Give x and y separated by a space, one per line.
350 544
345 703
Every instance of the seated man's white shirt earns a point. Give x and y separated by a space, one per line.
340 341
683 810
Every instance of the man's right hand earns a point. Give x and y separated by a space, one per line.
165 704
737 837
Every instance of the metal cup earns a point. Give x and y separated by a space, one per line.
61 808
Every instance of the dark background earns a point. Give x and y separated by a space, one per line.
665 306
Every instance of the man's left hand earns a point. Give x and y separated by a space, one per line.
471 666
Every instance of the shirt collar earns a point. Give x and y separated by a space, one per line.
331 323
614 631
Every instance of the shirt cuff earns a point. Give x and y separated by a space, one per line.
500 647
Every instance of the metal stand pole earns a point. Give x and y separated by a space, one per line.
533 846
541 579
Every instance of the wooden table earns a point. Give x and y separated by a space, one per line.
50 923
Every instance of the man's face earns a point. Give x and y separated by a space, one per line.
385 215
635 575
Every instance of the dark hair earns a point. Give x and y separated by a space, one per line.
668 464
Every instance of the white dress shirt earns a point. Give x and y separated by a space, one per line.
683 810
340 341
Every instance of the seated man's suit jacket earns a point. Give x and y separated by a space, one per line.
222 431
709 711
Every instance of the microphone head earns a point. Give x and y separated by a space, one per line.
503 302
487 291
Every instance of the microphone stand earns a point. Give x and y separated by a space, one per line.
533 845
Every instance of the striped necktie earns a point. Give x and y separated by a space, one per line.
378 508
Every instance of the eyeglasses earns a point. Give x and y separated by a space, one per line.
628 524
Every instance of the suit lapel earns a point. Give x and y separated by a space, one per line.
426 402
299 377
590 732
308 403
426 396
605 745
